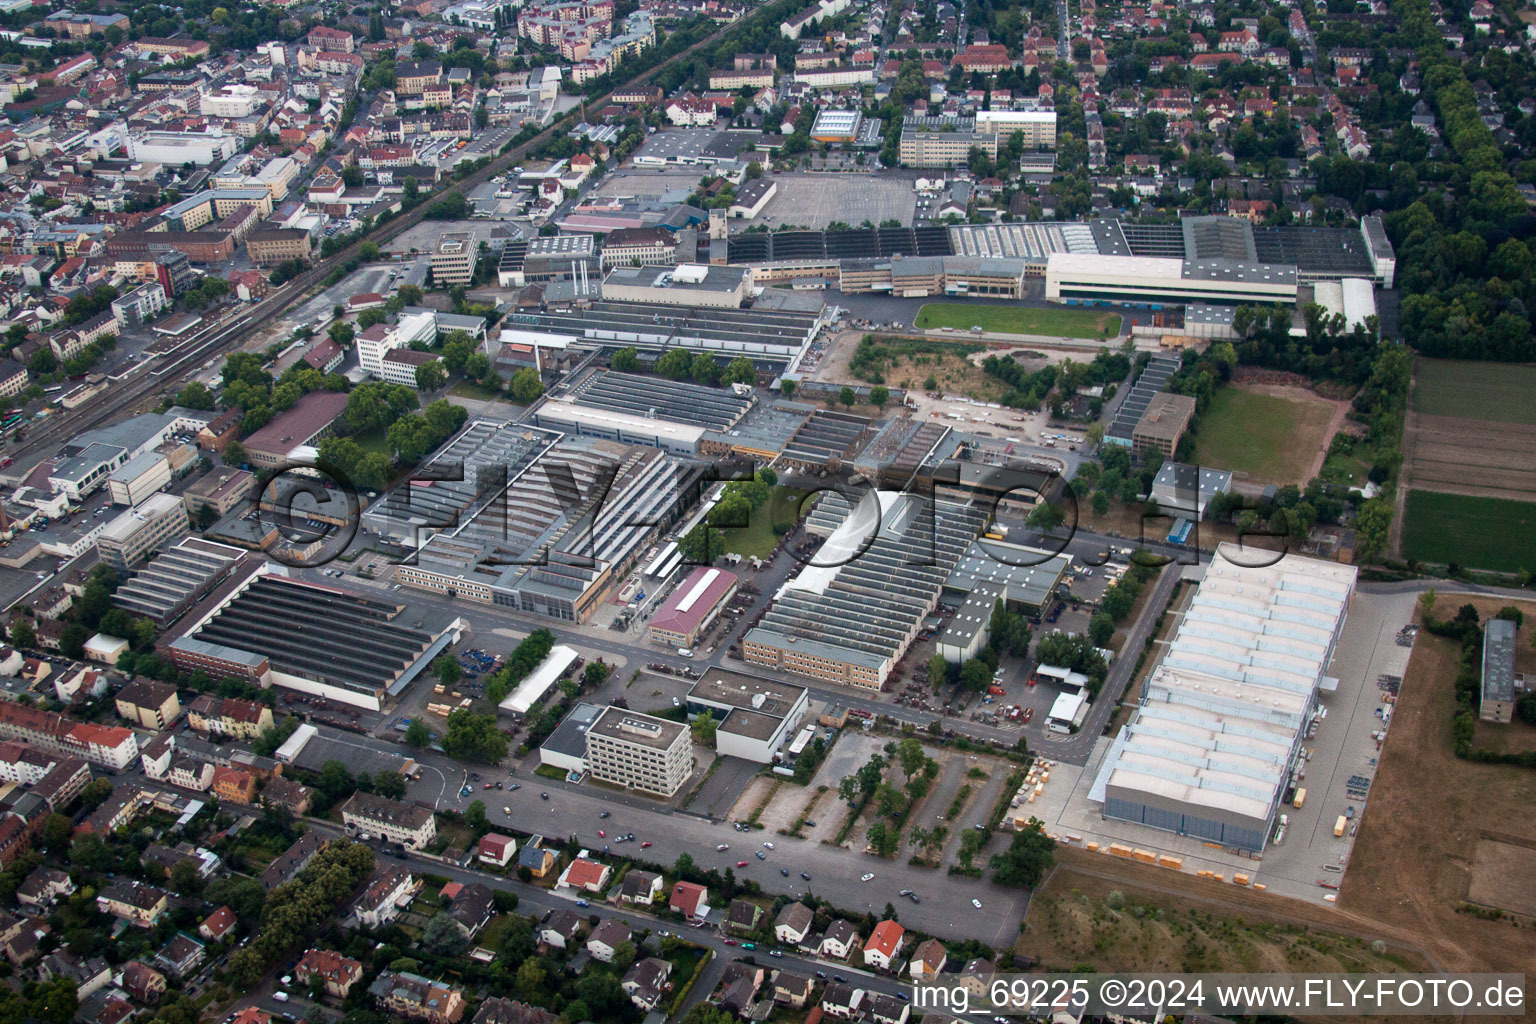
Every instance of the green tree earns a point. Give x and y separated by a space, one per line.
417 734
1029 855
474 816
938 671
975 675
526 385
739 371
390 784
431 376
847 397
442 936
675 363
448 670
1100 628
474 737
704 369
234 454
195 395
625 360
22 634
879 395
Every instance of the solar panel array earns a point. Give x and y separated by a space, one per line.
844 243
1339 251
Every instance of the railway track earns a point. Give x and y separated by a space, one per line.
232 331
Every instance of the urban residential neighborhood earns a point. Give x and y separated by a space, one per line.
629 511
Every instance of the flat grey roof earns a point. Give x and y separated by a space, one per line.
1499 660
738 691
633 727
570 736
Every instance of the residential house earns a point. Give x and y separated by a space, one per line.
281 792
43 888
417 998
793 989
640 888
500 1010
741 917
884 944
496 849
928 960
290 862
838 941
142 982
234 785
536 858
471 906
133 901
584 874
646 982
976 975
691 900
393 820
90 974
218 924
562 929
606 938
338 972
390 888
884 1009
181 956
793 924
842 1000
229 716
148 704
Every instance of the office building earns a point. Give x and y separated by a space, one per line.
453 259
135 533
639 752
756 718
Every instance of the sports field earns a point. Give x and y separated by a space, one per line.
1477 532
1475 390
1271 439
1057 323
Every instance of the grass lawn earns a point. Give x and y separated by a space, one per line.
1480 533
757 537
469 389
1475 390
1270 439
1350 470
1060 323
374 441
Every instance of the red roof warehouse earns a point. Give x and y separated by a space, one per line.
692 606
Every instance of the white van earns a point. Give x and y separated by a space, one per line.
685 652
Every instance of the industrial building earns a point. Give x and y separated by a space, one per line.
1213 746
540 681
1180 487
176 579
692 607
1151 383
774 339
1163 423
1154 281
1036 127
138 478
271 630
687 284
1498 700
639 752
756 717
547 258
299 427
520 516
850 619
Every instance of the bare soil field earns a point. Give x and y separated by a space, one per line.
1484 458
1171 921
1412 864
1494 864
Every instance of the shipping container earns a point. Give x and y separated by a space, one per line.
1338 826
1301 796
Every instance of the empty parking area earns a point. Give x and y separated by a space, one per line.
817 200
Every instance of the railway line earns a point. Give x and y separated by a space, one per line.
221 337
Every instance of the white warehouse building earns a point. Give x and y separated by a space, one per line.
1211 750
1082 279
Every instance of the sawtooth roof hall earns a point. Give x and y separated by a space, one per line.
1210 750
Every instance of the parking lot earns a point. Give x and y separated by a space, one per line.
815 200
